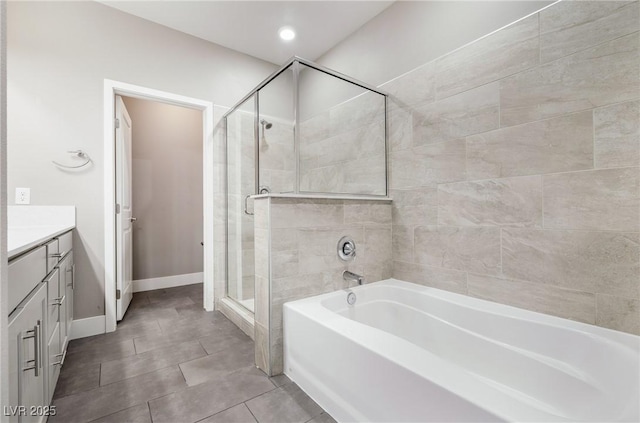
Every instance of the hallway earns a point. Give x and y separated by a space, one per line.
171 361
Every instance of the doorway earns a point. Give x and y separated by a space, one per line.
113 276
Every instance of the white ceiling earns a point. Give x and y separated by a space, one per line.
252 27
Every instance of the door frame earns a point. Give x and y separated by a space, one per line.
111 89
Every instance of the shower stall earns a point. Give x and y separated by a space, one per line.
304 131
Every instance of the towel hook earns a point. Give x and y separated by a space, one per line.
78 153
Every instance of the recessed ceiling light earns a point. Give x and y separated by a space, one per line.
287 33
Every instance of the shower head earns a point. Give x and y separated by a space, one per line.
267 125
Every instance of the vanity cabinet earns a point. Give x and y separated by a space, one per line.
27 350
40 326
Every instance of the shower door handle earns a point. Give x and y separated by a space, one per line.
246 200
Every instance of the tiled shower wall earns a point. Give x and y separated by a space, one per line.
296 257
342 149
515 166
277 160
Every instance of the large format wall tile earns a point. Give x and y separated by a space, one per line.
605 74
416 86
317 247
417 206
543 198
575 305
402 243
472 249
305 213
596 262
367 213
555 145
400 127
377 253
365 141
314 129
303 258
569 27
505 52
618 313
501 202
436 277
361 110
467 113
424 166
617 135
597 200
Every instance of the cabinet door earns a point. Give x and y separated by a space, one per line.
70 286
27 380
65 277
54 360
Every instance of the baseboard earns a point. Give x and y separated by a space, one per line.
81 328
167 281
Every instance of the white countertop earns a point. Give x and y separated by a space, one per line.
30 226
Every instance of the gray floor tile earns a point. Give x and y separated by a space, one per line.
322 418
207 322
285 404
137 414
100 353
176 334
140 315
118 396
148 328
238 414
80 378
204 400
195 311
280 380
163 295
165 303
218 365
116 370
225 340
138 299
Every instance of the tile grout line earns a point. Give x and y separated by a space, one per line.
250 411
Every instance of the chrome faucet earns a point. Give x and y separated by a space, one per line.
350 276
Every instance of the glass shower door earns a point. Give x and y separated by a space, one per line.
241 183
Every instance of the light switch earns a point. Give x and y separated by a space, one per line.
23 195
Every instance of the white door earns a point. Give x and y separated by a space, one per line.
124 218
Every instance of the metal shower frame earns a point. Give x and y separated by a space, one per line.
295 62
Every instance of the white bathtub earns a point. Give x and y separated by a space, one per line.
409 353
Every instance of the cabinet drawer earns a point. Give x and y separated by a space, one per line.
65 243
54 300
25 273
53 254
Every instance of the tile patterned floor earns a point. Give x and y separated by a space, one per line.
170 361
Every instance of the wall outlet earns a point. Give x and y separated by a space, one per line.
23 195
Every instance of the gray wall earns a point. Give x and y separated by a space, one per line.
59 53
167 189
515 166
